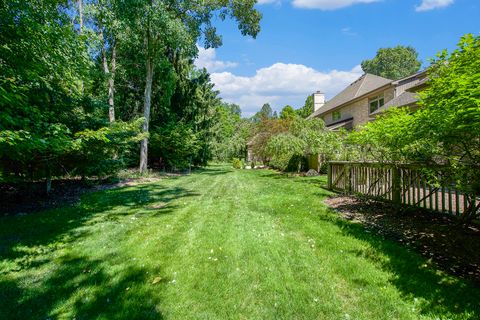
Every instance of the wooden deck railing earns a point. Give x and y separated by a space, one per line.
403 184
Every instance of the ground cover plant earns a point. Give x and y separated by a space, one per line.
217 244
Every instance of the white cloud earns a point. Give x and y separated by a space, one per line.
328 4
348 31
427 5
207 58
280 84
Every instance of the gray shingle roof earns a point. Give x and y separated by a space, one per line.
405 99
419 85
362 86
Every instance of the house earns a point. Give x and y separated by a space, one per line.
367 98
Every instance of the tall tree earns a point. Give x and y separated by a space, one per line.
102 19
265 113
393 63
287 112
80 14
51 121
307 108
176 26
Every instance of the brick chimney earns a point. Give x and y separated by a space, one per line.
318 100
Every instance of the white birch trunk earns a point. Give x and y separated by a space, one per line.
111 86
80 14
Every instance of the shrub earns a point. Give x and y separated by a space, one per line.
285 151
237 163
174 145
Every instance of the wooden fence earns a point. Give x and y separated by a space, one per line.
402 184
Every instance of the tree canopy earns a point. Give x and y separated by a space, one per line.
307 108
83 82
287 112
393 63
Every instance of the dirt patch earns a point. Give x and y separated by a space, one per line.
157 206
130 182
454 248
30 198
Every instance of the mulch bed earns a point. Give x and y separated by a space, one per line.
454 248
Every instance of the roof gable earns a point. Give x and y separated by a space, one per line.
362 86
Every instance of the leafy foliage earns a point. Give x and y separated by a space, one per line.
265 113
388 139
393 63
175 144
51 122
237 163
77 77
284 143
450 116
286 152
231 133
307 108
287 113
444 132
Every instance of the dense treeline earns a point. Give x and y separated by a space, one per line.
91 86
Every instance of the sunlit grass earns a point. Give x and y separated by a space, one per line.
217 244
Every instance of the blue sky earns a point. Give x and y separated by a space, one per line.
309 45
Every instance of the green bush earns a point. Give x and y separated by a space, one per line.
297 163
285 151
237 163
175 145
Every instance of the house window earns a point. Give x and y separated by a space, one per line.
336 115
376 102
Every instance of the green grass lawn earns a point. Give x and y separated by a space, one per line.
218 244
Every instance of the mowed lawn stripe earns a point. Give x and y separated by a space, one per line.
217 244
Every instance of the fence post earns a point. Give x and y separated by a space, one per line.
396 186
329 176
348 177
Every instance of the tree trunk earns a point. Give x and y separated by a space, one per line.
80 14
147 102
48 179
111 85
111 77
80 18
146 114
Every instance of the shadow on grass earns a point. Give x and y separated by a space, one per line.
270 174
26 241
86 289
140 200
56 224
437 293
214 170
316 181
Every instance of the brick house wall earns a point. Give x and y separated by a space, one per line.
359 110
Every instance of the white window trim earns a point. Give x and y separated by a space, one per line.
376 99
